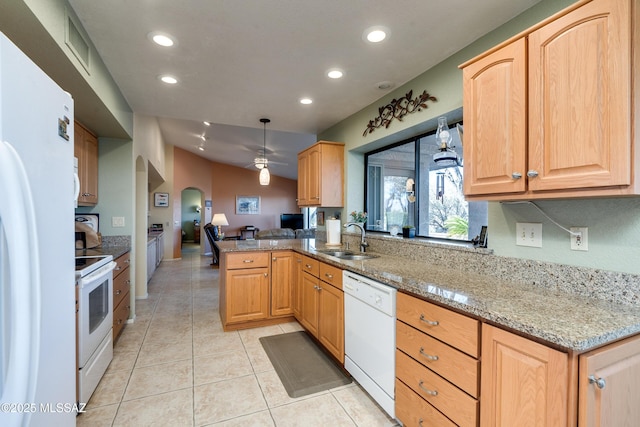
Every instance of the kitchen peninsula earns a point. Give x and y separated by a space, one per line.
558 313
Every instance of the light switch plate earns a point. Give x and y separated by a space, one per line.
117 221
529 234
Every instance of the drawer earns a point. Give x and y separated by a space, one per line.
455 329
331 275
455 366
121 286
121 315
123 263
311 266
247 260
413 411
444 396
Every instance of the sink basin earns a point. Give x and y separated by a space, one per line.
347 255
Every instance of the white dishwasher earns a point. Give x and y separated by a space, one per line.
370 336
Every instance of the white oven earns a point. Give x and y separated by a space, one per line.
95 320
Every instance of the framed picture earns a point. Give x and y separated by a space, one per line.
161 200
320 217
247 205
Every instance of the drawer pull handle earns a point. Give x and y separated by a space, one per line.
420 421
308 265
428 356
128 282
118 268
426 390
330 276
429 322
127 261
599 382
118 292
247 261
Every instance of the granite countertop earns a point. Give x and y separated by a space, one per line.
561 319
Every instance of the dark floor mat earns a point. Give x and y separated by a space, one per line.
301 365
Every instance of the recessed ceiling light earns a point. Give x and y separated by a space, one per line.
201 148
162 39
384 85
335 73
202 137
375 34
306 101
207 123
168 79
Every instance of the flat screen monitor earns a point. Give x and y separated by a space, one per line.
293 221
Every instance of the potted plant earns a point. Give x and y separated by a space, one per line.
360 217
408 231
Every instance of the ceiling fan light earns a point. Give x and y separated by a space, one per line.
265 177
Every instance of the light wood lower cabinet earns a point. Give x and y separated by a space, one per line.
256 288
524 383
121 294
609 385
322 305
295 280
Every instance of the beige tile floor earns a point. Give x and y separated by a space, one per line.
174 366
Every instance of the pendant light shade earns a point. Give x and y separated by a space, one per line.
265 176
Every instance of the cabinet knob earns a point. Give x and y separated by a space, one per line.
516 175
330 276
118 292
308 265
599 382
266 274
127 261
532 174
274 259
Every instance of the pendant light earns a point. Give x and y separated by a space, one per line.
265 177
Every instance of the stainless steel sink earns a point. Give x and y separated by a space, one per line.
347 255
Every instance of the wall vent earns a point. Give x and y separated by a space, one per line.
76 42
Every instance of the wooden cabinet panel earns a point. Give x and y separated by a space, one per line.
331 320
311 266
121 287
457 367
614 401
248 294
524 383
121 315
296 280
416 412
447 398
282 265
321 175
497 135
579 98
121 294
86 150
330 274
455 329
309 303
243 260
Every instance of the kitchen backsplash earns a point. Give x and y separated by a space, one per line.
605 285
109 241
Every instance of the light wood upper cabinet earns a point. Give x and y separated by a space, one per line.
609 385
523 383
85 146
321 175
562 125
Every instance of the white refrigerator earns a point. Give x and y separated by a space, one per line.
37 296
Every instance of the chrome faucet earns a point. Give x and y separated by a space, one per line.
363 243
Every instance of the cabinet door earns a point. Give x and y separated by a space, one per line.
247 294
309 303
580 99
296 280
523 383
86 150
613 400
331 320
495 122
303 178
314 178
281 283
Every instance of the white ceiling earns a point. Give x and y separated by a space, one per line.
240 60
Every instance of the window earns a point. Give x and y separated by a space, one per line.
414 182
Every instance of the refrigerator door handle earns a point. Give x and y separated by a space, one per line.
20 282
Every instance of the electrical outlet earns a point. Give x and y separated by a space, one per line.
117 221
529 234
580 242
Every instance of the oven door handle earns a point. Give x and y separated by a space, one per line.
100 272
